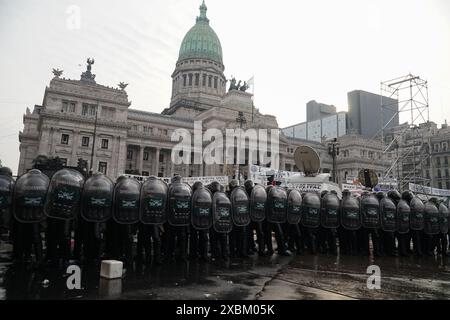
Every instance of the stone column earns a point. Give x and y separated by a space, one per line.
156 162
171 164
75 144
140 159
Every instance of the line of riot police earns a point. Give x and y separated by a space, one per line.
95 218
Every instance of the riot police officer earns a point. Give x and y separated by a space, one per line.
62 209
241 219
370 223
222 222
96 210
431 226
201 221
153 207
30 192
310 220
276 216
350 223
258 197
388 211
416 223
121 228
179 218
403 227
329 222
442 241
293 218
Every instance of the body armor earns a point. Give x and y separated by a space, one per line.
350 213
258 199
64 194
29 197
403 216
443 218
276 205
310 210
294 207
222 217
240 207
329 212
127 194
388 214
370 211
202 216
96 199
153 201
179 196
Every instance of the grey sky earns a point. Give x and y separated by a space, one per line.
297 50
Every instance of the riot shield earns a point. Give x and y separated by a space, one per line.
201 209
443 218
276 205
126 203
64 194
416 217
350 213
370 211
96 198
240 207
403 217
294 207
29 196
388 211
431 218
258 199
154 201
329 211
222 221
310 210
179 213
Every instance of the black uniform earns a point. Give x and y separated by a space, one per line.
310 220
258 198
388 211
442 241
241 220
329 222
276 216
370 220
122 227
294 215
179 219
153 210
431 226
62 209
201 221
222 222
29 198
96 210
350 219
416 221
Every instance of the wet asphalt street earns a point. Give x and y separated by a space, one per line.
301 277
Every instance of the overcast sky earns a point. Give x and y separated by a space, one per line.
298 50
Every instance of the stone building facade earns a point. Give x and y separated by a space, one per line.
84 119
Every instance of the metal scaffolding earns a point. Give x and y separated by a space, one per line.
406 146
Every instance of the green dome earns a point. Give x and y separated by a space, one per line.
201 41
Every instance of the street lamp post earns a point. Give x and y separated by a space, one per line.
333 151
93 139
241 120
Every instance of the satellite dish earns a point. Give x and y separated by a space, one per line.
368 178
307 160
